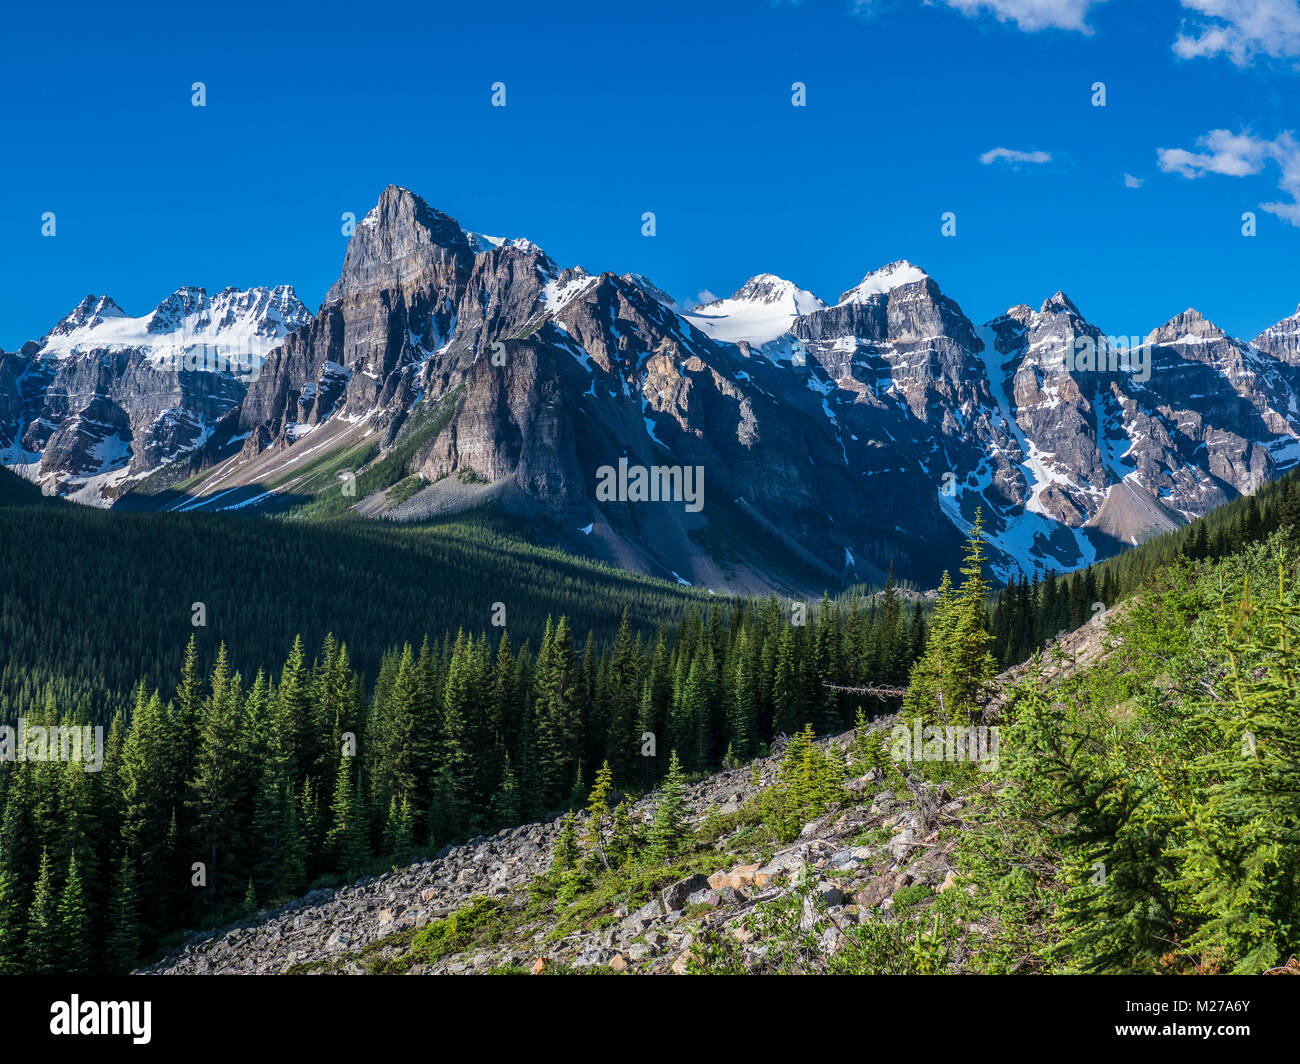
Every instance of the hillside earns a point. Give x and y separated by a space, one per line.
475 908
1099 841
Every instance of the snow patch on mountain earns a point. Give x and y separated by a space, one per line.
760 311
883 281
252 322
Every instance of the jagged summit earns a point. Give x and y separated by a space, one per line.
255 318
402 215
1189 326
883 281
91 312
1059 303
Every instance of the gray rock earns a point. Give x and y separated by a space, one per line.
676 896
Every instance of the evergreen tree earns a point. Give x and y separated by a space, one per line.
123 921
598 820
74 936
506 806
11 925
669 831
44 934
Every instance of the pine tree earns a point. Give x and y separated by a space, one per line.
215 789
566 855
123 921
11 926
1243 860
505 806
345 840
399 830
74 935
43 930
248 907
598 813
623 687
949 683
670 832
623 840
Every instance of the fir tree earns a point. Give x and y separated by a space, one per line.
123 922
74 935
43 941
11 925
670 832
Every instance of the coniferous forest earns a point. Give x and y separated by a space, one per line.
360 750
347 755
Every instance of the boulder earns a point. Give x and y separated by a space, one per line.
676 896
877 890
740 877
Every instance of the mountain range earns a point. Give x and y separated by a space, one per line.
447 370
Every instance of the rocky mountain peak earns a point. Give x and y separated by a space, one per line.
182 303
1059 303
1190 324
401 212
765 288
400 243
883 281
482 244
1282 340
88 314
762 309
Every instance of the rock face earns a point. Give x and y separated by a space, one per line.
834 440
367 926
105 399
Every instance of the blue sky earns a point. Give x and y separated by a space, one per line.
683 109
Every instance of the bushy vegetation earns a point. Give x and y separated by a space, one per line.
1149 820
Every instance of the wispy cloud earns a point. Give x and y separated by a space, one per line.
1242 155
1033 14
1014 157
1132 182
1242 30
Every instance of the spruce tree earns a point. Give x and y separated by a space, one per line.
669 832
598 818
505 806
43 939
74 935
11 926
123 947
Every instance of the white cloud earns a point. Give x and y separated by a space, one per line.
1015 158
1242 155
1233 154
1242 30
1033 14
1132 182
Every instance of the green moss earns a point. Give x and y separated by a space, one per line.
907 897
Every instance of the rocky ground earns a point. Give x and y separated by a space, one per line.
846 866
